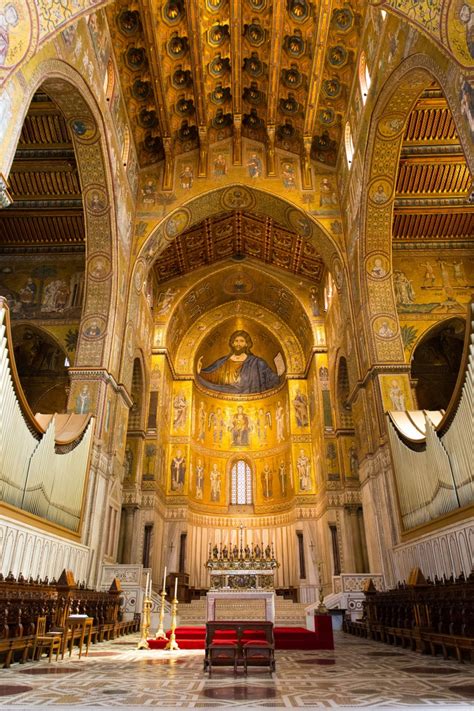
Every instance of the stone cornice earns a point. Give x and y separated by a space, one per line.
103 375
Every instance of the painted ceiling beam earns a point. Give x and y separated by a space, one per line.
314 89
316 76
273 84
236 68
193 16
150 30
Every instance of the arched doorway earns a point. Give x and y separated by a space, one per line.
435 364
42 254
42 367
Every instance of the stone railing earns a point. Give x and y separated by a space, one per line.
133 580
355 582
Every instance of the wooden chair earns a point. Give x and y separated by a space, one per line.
259 653
51 641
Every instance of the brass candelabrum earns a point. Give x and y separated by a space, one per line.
321 608
161 634
145 626
172 643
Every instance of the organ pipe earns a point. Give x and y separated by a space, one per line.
38 472
434 472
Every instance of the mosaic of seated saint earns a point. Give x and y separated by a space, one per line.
240 372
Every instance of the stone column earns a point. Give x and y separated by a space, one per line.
352 511
128 532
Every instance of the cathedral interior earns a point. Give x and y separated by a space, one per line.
237 273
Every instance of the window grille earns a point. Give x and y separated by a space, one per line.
241 483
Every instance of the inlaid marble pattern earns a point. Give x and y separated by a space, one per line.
356 675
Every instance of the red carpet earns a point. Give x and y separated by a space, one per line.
285 638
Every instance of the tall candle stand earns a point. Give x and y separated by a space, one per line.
161 632
145 626
321 609
172 643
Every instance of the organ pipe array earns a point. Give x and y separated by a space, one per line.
433 452
40 471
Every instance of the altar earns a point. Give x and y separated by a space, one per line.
240 606
241 583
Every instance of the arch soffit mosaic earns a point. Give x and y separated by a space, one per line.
234 197
70 92
139 358
37 24
263 290
393 107
238 197
441 22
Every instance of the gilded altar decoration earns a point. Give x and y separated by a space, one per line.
241 567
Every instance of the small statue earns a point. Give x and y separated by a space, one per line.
225 553
235 553
268 552
215 552
258 552
247 552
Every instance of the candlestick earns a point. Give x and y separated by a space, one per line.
164 580
145 625
161 634
321 609
172 643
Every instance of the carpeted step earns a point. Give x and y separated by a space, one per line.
285 638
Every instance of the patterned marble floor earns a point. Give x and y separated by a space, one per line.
357 675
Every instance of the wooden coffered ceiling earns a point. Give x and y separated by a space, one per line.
433 183
44 183
200 71
238 235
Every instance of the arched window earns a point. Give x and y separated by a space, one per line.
241 483
349 143
364 77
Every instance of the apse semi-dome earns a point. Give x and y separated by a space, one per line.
240 357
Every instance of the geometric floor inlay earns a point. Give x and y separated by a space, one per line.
465 689
118 692
241 693
102 654
384 654
49 670
10 690
428 670
357 675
